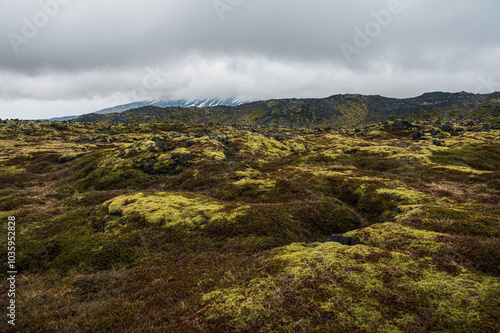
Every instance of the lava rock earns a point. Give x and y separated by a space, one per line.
438 143
352 151
417 136
180 160
65 159
100 138
162 145
434 132
401 125
342 240
224 140
447 128
149 166
485 128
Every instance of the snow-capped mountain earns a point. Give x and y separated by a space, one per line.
164 103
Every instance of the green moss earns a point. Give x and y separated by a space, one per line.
356 287
267 149
405 195
458 219
253 178
469 251
464 169
484 157
393 236
146 231
197 216
170 209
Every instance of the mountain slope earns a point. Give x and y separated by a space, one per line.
335 111
165 103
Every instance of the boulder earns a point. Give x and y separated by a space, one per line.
447 128
161 144
417 136
342 240
401 125
438 143
65 159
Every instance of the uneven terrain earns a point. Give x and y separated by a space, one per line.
163 227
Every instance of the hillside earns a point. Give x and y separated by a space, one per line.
163 103
336 111
161 227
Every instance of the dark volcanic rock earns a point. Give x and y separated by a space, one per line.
181 160
162 145
447 128
401 125
352 151
100 138
149 166
418 136
433 132
437 143
342 240
65 159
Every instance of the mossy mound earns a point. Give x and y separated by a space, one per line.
169 209
465 219
485 157
393 236
475 252
360 288
197 215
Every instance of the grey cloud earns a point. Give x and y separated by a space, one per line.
105 50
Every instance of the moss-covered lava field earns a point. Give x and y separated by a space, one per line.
196 228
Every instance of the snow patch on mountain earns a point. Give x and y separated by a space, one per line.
165 103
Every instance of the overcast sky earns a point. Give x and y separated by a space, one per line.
69 57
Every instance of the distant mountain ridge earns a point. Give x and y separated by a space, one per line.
164 103
334 111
